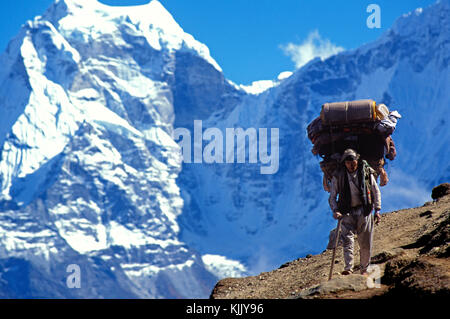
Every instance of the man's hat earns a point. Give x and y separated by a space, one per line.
349 155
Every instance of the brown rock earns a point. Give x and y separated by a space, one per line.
352 282
427 214
440 191
421 277
387 255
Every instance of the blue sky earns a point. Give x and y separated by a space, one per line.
254 39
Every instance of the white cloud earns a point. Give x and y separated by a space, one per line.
314 46
284 75
258 87
223 267
403 191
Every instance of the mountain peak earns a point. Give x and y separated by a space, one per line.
152 12
75 18
432 15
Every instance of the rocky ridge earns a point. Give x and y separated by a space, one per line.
410 258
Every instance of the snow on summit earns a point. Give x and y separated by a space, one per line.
151 20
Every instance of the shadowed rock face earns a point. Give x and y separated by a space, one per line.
440 191
423 276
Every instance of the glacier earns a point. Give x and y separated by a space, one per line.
91 173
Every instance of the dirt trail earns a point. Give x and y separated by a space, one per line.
411 248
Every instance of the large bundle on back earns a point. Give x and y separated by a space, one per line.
361 125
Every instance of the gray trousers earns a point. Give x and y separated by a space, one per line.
362 226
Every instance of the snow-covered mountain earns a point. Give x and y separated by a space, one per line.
91 97
88 166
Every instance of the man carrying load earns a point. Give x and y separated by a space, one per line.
358 194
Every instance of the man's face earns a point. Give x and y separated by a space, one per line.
351 165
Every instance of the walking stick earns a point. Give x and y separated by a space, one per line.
338 230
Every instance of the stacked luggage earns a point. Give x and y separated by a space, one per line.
361 125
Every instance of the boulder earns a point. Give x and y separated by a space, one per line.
352 282
440 191
418 277
386 255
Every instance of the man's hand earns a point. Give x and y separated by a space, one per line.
337 215
377 217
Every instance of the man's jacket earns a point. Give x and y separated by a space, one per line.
364 189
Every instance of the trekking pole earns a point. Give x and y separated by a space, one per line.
338 230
